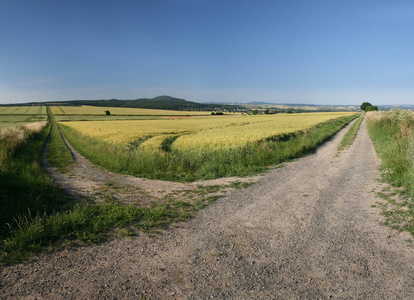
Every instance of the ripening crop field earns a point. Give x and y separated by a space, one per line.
119 111
198 133
21 115
23 110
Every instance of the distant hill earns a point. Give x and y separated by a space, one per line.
404 106
261 103
161 102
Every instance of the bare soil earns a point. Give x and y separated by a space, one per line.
306 231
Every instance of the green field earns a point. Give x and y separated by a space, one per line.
23 110
21 115
117 111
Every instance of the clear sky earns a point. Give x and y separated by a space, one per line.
291 51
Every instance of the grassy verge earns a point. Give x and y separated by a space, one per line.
189 166
349 137
84 224
393 138
25 188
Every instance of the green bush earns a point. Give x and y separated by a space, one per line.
371 108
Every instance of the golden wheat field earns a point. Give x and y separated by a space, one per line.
94 110
208 133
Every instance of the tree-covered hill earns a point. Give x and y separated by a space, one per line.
161 102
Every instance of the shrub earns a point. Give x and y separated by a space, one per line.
371 108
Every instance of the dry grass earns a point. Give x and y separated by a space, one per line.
374 116
36 127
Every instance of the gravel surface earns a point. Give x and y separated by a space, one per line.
304 231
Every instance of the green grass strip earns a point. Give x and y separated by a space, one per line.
58 154
83 224
350 135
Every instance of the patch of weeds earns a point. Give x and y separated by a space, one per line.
112 184
212 199
108 198
123 232
239 185
178 277
210 189
181 204
398 211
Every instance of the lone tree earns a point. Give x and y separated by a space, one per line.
365 105
107 112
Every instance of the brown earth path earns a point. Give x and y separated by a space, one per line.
305 231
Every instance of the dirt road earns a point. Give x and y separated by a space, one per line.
305 231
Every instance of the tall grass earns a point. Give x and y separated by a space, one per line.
393 137
25 188
192 165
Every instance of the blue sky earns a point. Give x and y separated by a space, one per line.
320 52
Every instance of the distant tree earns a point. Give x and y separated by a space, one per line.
267 111
371 108
289 111
107 112
255 112
213 113
365 105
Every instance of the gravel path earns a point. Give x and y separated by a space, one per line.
305 231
